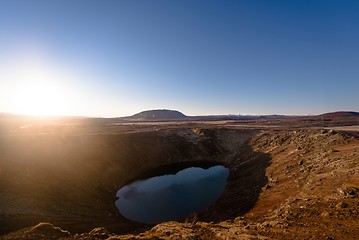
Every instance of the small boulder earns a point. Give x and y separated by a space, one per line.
49 230
100 232
341 205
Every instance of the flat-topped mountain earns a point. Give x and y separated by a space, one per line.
160 114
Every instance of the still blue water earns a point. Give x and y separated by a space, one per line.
172 197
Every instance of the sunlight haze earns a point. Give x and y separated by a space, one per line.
117 58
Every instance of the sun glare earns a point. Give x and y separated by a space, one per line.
40 100
37 89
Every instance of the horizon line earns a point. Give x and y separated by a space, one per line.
204 115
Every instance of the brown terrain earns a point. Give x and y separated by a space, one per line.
290 178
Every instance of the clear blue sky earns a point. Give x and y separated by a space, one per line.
116 58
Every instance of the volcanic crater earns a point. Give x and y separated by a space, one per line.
284 182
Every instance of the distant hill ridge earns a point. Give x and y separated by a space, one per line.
159 114
341 114
165 114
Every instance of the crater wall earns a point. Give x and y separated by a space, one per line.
68 178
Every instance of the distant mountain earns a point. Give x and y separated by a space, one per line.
341 114
155 115
172 115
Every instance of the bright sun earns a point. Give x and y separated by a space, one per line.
38 90
40 99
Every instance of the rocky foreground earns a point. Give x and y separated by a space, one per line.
283 184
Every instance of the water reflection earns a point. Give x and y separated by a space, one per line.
172 197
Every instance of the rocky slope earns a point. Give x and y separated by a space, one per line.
283 184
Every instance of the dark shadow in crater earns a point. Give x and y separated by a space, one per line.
245 182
